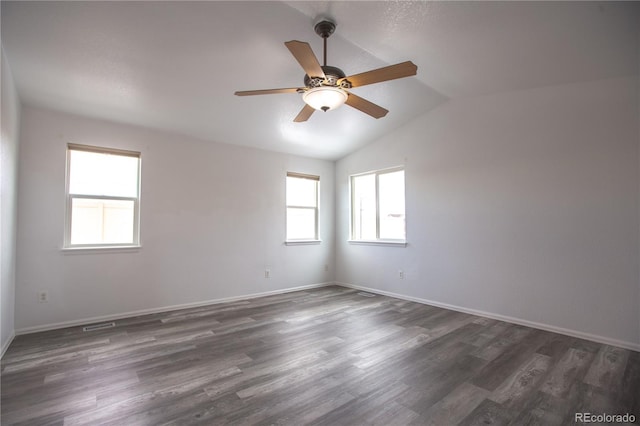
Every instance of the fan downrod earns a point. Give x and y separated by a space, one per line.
324 29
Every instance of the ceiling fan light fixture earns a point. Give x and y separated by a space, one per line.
325 98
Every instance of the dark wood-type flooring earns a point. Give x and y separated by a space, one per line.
327 356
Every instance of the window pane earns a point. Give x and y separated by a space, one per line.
302 192
391 193
364 207
95 221
93 173
301 224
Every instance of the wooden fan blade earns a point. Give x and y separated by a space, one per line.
266 92
304 114
365 106
305 57
404 69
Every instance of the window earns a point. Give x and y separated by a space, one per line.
103 203
302 207
377 206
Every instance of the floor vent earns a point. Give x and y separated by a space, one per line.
365 294
99 326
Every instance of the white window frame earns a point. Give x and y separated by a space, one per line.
378 240
71 197
316 239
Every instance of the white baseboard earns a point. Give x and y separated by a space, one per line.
513 320
6 344
84 321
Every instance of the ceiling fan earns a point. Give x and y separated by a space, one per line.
325 87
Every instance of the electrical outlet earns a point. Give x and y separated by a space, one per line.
401 274
43 297
267 273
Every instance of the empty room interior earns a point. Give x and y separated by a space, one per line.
320 212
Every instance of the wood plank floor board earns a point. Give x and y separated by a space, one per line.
326 356
430 388
70 389
174 329
51 409
542 409
515 391
43 352
284 348
556 347
194 360
295 401
402 344
501 367
572 367
488 334
135 402
586 345
503 339
164 413
607 368
454 407
586 398
364 406
421 360
488 413
630 394
388 414
33 377
214 413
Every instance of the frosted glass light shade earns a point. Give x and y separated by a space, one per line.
324 98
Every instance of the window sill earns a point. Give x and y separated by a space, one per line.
302 242
103 249
378 243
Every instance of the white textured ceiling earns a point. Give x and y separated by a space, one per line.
175 65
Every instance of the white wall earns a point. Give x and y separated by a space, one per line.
523 204
8 202
212 219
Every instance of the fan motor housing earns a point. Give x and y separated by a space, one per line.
332 75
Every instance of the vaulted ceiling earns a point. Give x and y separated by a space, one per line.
174 66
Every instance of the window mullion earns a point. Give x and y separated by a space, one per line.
68 219
102 197
102 234
136 223
302 207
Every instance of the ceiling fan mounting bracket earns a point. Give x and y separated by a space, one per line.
325 28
